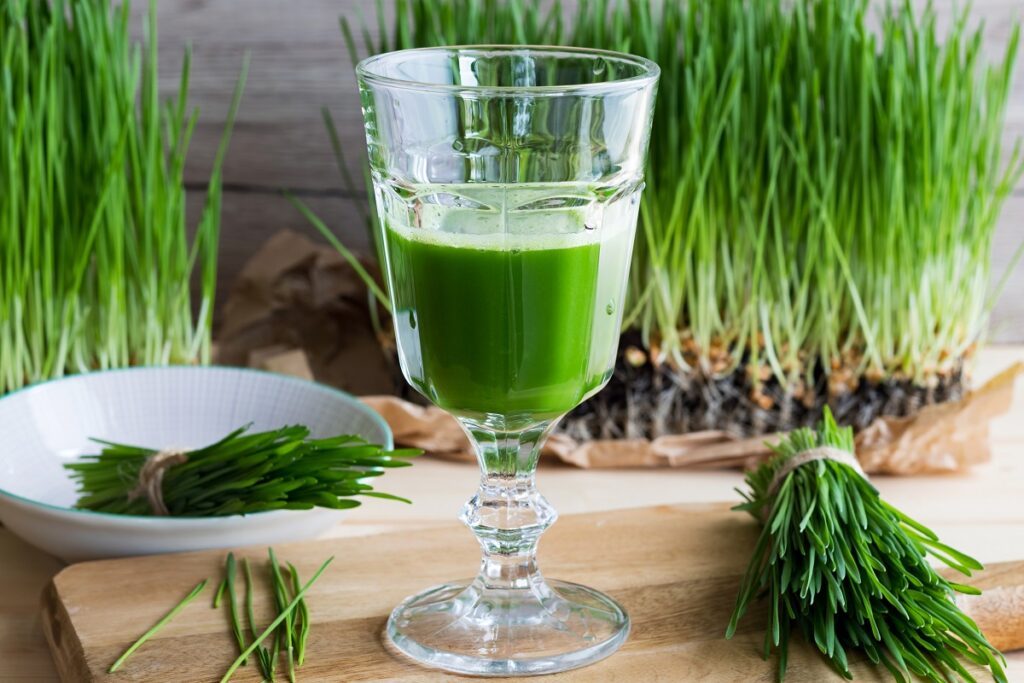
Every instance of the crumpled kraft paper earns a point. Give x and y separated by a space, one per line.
946 437
298 308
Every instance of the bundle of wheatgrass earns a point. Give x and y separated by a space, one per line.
850 572
243 473
825 178
95 255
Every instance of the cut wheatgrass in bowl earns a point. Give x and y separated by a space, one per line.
280 469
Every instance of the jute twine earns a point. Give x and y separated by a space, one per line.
151 478
802 458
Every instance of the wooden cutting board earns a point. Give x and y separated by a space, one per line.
674 568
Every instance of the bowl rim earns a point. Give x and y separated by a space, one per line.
152 519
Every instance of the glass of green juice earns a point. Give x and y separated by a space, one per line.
507 182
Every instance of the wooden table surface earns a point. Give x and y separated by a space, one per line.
981 513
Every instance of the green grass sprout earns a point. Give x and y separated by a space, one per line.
824 180
96 258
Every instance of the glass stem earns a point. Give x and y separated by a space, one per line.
508 514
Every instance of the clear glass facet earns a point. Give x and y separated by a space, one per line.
507 183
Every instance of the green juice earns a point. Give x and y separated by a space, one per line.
510 313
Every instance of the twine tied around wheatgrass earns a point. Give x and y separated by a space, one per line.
810 455
151 478
802 458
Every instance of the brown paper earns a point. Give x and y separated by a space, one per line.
281 360
946 437
299 309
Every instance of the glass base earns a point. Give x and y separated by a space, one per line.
470 628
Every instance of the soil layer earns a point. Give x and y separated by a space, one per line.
647 401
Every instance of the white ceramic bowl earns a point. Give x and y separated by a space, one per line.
49 424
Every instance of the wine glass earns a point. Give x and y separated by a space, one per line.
507 182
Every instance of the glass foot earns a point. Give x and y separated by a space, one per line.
470 628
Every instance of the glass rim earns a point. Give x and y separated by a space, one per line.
649 71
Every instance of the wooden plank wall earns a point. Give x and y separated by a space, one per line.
300 64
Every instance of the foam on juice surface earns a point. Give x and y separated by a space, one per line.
475 219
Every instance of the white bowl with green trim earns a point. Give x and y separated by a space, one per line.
49 424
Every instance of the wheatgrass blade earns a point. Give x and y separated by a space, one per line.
270 630
158 625
230 568
301 633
